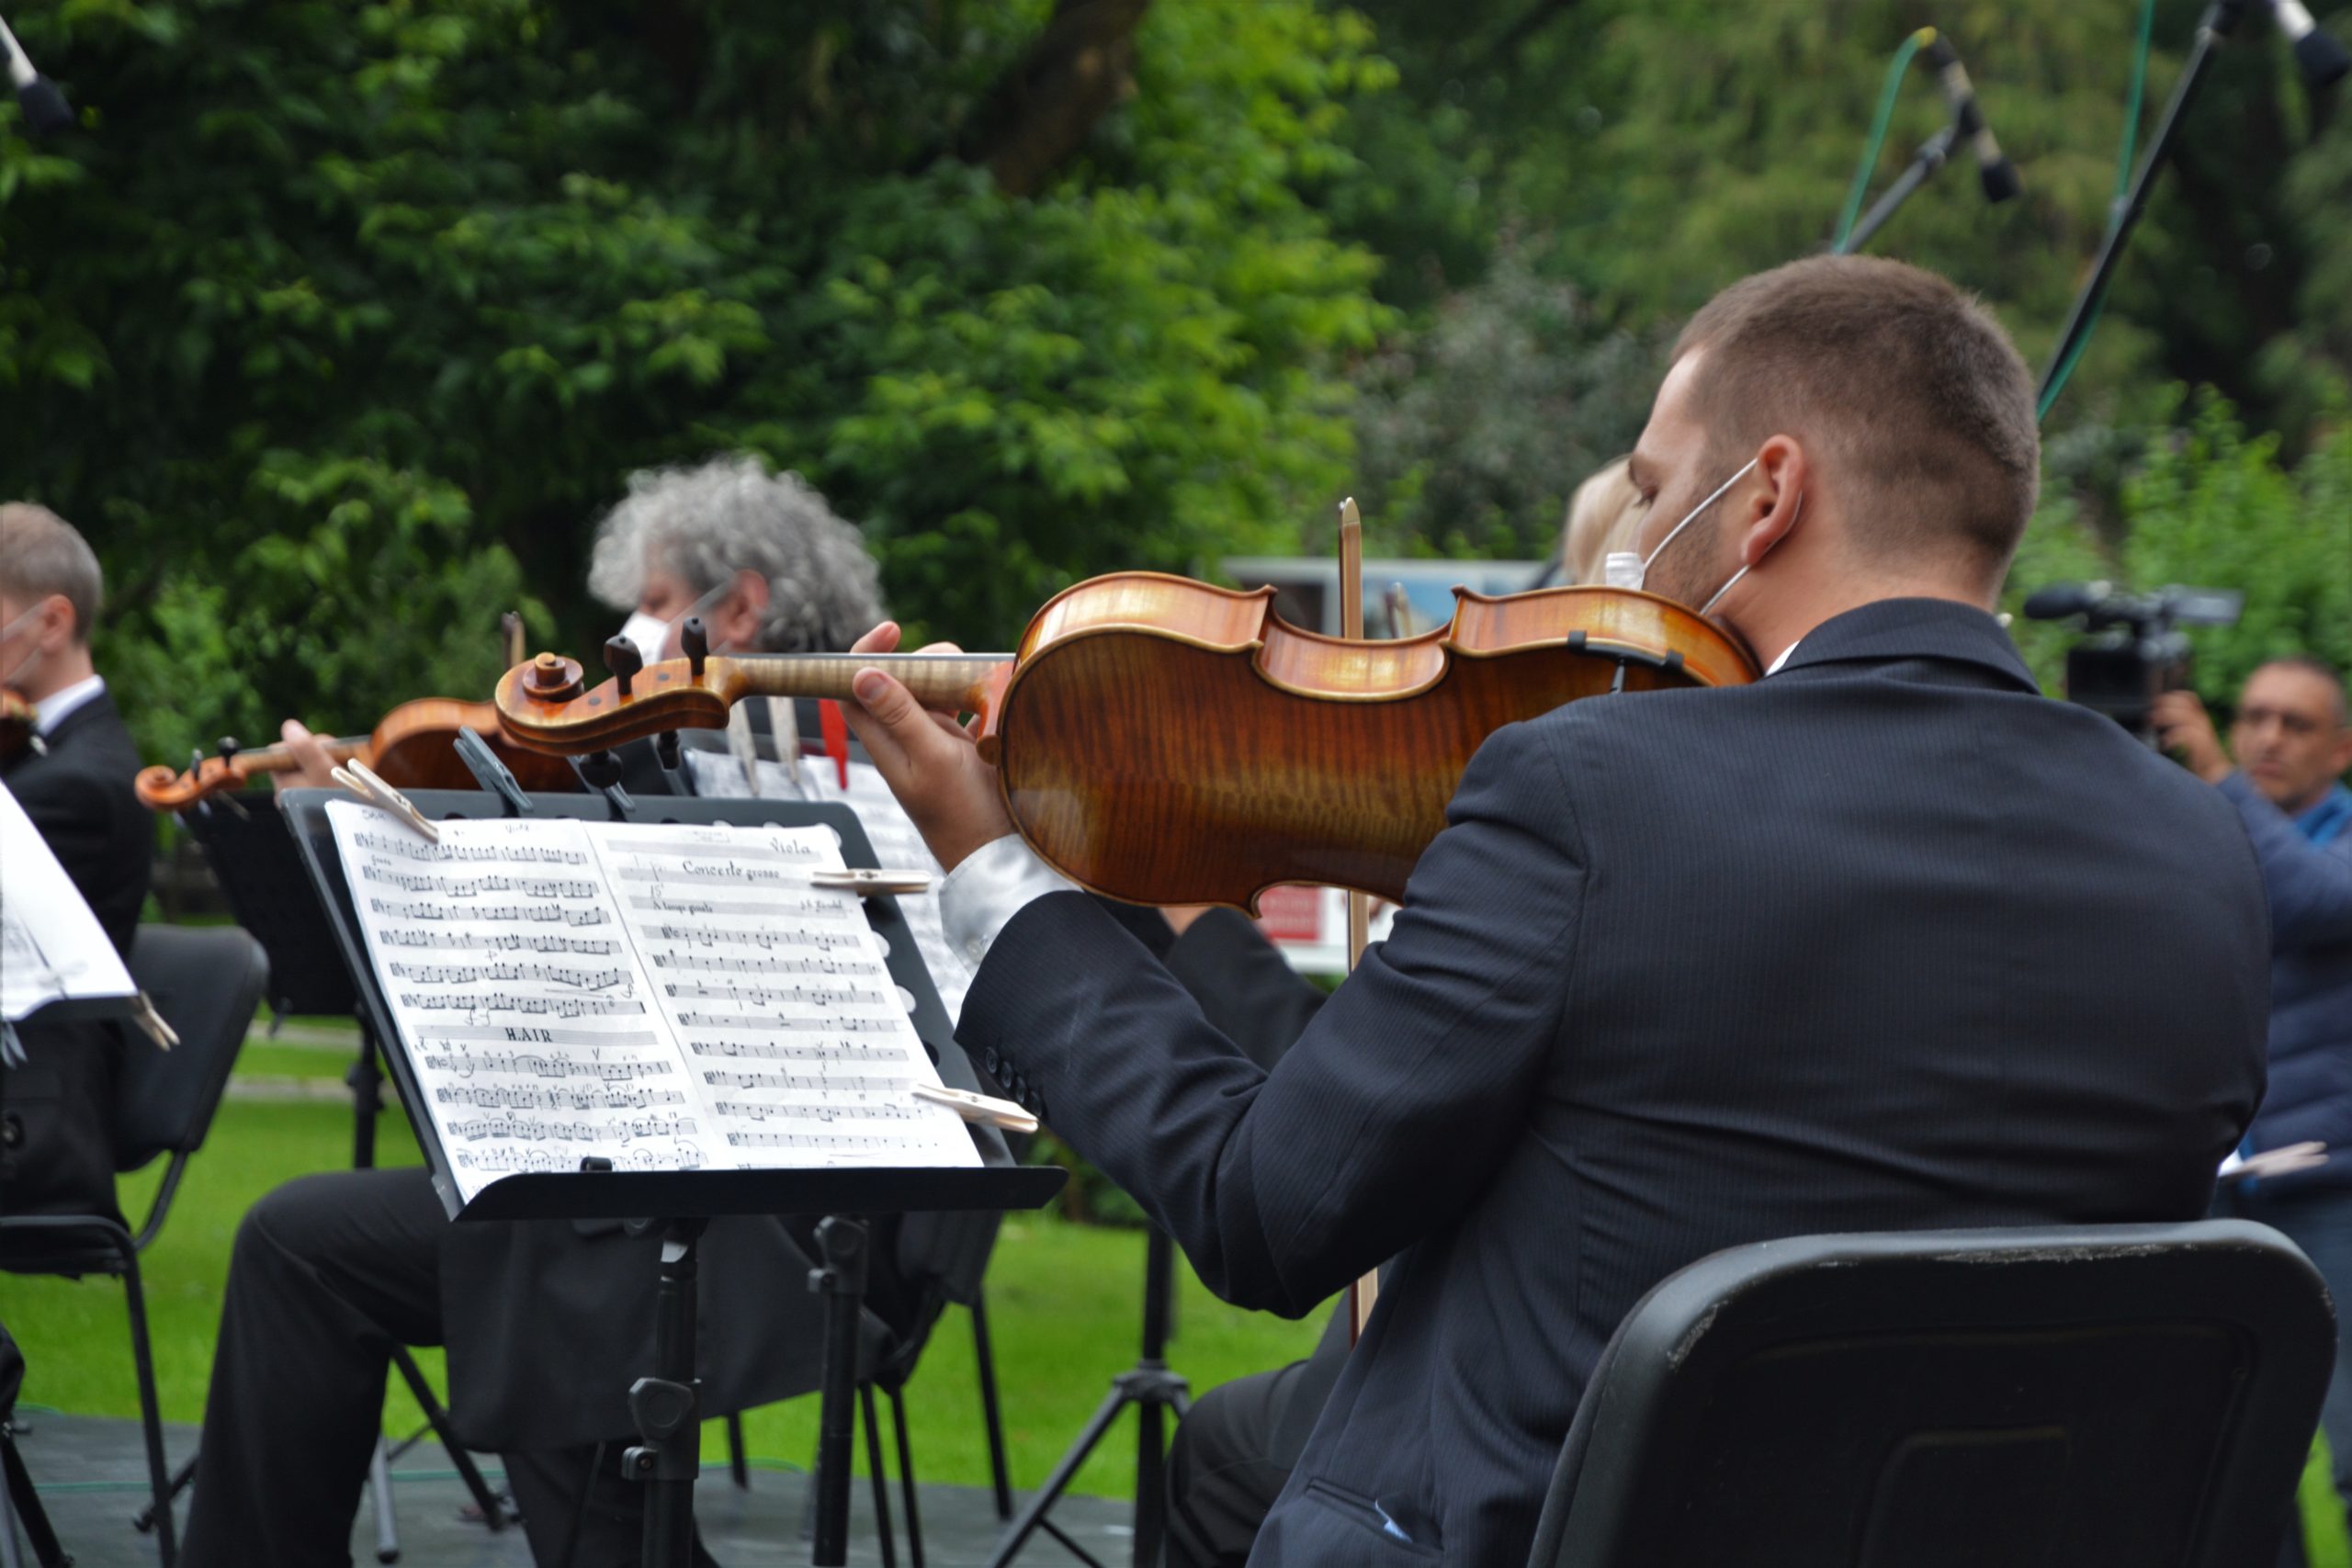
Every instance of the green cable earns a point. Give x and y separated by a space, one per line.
1896 67
2123 188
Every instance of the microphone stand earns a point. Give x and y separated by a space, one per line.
2220 19
1932 155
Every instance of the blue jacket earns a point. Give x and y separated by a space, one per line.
2309 888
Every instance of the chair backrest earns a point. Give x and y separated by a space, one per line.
206 982
2084 1396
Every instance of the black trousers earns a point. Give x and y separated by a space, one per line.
1233 1451
329 1273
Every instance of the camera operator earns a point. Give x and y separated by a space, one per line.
2293 743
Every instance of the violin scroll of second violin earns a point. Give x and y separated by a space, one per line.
1166 741
413 748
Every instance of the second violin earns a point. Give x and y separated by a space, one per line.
412 749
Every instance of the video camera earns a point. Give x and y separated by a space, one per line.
2133 649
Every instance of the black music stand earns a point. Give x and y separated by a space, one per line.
664 1403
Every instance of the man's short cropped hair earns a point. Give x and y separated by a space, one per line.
2311 664
712 520
1897 381
41 554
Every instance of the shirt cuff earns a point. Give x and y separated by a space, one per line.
995 883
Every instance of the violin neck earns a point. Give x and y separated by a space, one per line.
937 680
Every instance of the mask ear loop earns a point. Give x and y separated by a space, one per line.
30 660
1692 516
1743 572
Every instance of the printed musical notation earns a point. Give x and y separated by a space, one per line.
841 1011
897 844
537 1035
544 942
551 973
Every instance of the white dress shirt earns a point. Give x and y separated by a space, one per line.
995 883
50 711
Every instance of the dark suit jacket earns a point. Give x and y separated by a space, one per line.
57 1142
1887 941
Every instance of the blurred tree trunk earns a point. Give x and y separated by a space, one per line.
1041 114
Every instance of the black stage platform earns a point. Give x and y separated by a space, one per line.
92 1480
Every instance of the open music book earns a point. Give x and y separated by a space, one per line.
663 997
51 947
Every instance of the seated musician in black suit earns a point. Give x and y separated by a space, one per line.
1886 939
73 781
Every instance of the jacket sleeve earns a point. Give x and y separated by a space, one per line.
1402 1098
2309 887
1246 987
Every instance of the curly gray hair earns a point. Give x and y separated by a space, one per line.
729 515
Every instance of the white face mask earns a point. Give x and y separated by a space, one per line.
651 633
1627 570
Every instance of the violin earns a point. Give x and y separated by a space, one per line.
412 749
18 721
1165 741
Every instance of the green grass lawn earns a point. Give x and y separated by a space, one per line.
1064 1301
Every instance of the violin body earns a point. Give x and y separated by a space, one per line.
1169 742
414 748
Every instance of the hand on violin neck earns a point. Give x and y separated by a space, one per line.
313 769
928 761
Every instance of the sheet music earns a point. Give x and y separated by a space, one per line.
51 946
897 844
568 989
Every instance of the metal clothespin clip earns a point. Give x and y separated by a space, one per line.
986 1110
361 780
144 1015
871 883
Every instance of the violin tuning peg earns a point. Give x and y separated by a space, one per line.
694 638
622 657
602 769
665 749
228 749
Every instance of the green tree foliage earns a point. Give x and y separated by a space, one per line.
1475 429
337 324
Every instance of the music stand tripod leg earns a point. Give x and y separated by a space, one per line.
665 1408
1151 1388
841 1279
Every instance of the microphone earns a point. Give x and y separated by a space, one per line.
1994 171
2322 59
45 107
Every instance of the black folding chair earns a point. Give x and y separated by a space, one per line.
207 984
2086 1397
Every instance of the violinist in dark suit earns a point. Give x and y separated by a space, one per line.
73 780
1886 939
